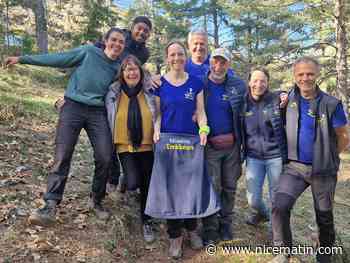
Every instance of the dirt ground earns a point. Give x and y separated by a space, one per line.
27 127
26 154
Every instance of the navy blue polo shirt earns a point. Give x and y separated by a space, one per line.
201 71
218 109
307 129
178 105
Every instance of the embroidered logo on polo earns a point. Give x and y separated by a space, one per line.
189 94
311 113
224 97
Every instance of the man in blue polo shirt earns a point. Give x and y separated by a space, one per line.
223 95
198 63
317 133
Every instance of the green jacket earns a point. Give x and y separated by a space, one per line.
93 73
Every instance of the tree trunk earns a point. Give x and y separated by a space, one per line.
7 27
341 61
205 21
41 25
215 23
39 9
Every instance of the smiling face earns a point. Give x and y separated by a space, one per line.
140 32
131 74
305 76
176 57
218 68
115 44
198 46
258 84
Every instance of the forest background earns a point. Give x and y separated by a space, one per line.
268 33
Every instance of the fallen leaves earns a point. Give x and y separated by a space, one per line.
80 221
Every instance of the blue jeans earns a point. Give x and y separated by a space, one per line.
256 171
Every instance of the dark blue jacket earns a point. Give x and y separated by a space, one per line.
235 88
262 124
135 48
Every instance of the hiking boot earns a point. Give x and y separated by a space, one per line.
255 218
111 188
175 248
280 259
148 234
226 232
196 242
97 208
45 216
210 237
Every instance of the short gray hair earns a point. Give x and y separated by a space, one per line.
201 32
307 60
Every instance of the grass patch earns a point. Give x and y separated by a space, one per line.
14 106
30 92
35 76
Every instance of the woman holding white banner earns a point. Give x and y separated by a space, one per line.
180 190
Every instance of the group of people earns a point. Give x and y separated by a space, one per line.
181 138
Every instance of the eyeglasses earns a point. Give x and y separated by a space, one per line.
129 69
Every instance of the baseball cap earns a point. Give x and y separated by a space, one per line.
222 52
142 19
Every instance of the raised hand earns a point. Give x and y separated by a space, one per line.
10 61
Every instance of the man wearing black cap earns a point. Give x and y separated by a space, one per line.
136 38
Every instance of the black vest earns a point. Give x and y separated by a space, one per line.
325 160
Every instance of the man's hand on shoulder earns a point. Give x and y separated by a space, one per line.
156 82
283 99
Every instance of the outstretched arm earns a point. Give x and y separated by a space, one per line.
66 59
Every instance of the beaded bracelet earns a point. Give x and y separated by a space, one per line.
204 129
